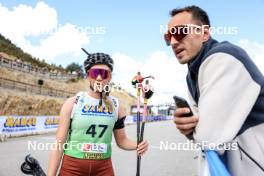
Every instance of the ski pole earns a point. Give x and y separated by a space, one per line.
139 85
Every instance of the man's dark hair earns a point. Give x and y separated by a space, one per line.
198 14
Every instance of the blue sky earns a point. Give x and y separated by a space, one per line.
133 27
127 30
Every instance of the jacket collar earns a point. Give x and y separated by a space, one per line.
194 65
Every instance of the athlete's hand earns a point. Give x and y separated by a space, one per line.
185 124
142 147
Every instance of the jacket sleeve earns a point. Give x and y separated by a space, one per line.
227 95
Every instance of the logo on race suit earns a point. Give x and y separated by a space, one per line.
95 109
94 148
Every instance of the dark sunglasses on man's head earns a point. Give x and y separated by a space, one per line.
178 32
95 72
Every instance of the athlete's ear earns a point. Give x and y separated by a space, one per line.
206 33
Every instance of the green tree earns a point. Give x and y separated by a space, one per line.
73 67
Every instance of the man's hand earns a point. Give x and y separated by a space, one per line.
186 125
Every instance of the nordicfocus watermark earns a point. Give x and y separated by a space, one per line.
88 30
92 30
85 147
110 88
107 88
196 29
188 145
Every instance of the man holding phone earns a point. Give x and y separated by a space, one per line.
226 90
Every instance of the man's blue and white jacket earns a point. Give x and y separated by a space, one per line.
227 89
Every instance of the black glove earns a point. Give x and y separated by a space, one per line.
31 167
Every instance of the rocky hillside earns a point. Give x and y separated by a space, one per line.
13 102
14 52
20 102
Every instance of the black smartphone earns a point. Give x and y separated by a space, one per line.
182 103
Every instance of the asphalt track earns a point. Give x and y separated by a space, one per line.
158 161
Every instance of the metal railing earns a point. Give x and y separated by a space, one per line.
36 71
33 89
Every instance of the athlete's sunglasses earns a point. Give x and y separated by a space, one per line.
95 72
179 32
